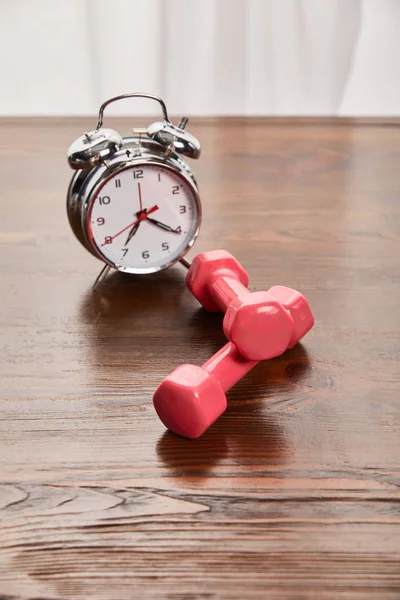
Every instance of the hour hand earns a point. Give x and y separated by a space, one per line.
161 225
132 233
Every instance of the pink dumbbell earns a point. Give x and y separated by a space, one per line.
260 324
191 398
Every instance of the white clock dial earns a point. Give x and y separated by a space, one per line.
143 218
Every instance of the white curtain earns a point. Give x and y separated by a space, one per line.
306 57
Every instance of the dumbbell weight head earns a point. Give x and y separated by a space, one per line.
263 325
299 310
189 400
259 326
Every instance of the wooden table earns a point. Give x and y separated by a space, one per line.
295 491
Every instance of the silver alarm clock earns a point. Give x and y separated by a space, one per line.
133 201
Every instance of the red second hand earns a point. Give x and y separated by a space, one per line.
152 209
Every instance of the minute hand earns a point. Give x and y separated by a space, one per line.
161 225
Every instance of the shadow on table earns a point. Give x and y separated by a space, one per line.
139 317
120 295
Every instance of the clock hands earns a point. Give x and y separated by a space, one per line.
132 232
139 216
162 225
140 196
142 217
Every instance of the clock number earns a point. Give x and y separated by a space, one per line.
182 209
159 177
105 200
138 174
165 246
108 240
178 229
175 189
125 251
117 183
145 254
100 221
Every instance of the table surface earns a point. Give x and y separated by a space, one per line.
295 490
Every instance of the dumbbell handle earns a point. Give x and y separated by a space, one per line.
228 366
215 278
225 287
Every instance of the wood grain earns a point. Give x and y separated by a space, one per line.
295 492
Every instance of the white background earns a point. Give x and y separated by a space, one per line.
318 57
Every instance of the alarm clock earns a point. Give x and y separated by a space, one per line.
133 202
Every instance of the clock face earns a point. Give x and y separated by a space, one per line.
143 218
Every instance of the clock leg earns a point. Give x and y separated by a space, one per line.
185 263
101 276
